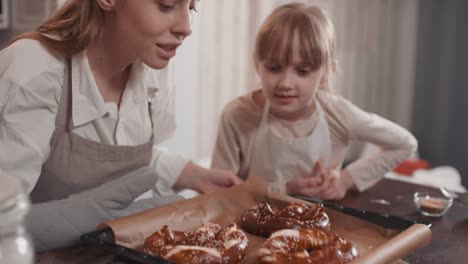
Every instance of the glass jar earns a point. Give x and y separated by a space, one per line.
15 244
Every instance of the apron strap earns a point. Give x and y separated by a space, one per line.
265 112
64 108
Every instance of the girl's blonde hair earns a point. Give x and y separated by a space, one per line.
76 24
316 37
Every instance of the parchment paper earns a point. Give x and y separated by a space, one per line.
374 243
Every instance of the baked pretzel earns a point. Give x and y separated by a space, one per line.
264 219
208 244
306 246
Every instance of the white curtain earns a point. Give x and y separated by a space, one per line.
376 42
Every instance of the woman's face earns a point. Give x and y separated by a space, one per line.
291 87
153 29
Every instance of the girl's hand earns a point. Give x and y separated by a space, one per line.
310 185
305 185
323 183
336 184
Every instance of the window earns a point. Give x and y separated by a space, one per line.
4 11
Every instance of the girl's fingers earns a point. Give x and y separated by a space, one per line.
316 170
311 181
315 191
329 190
328 195
321 166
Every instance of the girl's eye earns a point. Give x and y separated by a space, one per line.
273 67
303 71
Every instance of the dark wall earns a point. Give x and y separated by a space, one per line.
441 96
5 36
8 33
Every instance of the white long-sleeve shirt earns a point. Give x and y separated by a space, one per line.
31 82
241 118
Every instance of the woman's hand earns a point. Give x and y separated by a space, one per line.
60 223
214 179
206 180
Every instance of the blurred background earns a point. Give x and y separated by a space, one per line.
405 60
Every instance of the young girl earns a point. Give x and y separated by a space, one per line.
294 130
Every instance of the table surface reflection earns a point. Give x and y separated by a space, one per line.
449 242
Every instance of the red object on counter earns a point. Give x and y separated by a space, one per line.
407 167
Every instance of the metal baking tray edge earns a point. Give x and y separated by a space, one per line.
104 240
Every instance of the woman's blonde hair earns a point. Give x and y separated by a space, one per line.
316 37
76 24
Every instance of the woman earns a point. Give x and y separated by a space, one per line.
85 99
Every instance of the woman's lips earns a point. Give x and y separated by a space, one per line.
167 51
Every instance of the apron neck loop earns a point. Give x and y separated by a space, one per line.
266 109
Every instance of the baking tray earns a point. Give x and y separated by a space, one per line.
104 238
383 220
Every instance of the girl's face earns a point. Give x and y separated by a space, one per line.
153 29
291 87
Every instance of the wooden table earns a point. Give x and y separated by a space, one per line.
449 233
